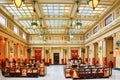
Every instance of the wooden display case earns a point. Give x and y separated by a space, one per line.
42 71
29 72
7 71
74 73
88 72
12 72
18 72
35 72
67 72
107 72
23 72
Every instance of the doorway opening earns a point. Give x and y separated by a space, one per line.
56 58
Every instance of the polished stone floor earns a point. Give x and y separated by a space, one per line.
55 72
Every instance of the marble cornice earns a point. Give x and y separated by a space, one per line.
10 33
110 10
53 45
110 27
11 19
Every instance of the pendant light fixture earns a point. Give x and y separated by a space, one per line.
18 3
34 23
78 23
93 3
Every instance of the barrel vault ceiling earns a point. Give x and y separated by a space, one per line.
56 17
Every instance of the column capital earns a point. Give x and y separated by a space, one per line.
114 35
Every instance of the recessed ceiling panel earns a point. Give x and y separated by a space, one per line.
25 11
56 31
56 23
85 10
56 10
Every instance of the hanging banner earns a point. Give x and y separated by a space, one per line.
74 54
38 54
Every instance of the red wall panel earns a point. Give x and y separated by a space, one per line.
74 54
38 54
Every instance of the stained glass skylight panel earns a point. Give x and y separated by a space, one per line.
77 31
26 23
31 31
84 23
85 10
25 11
56 23
56 9
56 31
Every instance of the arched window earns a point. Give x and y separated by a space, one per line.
24 36
2 20
15 30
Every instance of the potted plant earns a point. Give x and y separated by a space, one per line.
65 51
11 49
47 51
29 52
83 54
83 50
118 43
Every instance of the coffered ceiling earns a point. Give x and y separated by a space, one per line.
56 16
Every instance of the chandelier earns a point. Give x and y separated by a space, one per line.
18 3
34 23
78 24
93 3
40 35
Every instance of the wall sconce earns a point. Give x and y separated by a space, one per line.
18 3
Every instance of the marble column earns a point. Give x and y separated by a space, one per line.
114 50
50 60
61 56
32 52
43 56
104 47
19 50
25 52
93 54
104 61
86 54
69 53
7 48
100 51
80 54
12 50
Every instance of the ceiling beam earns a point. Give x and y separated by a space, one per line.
56 1
39 13
56 34
56 28
86 18
41 1
102 2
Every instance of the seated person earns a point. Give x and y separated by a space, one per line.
30 64
74 64
69 63
42 64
